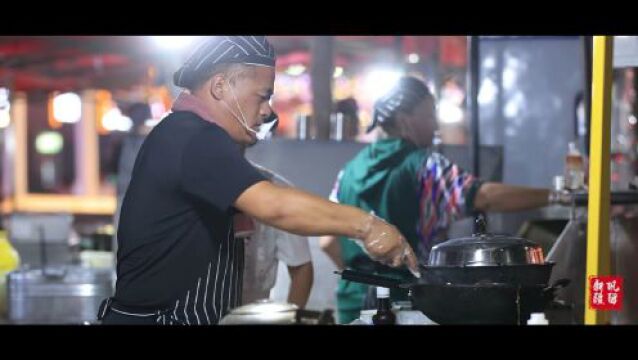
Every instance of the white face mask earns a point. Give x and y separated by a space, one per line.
265 130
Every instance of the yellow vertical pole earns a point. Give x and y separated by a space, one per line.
598 250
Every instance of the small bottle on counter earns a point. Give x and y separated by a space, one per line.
574 168
384 315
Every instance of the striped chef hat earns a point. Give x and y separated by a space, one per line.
404 96
213 50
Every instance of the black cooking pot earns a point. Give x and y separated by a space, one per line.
482 303
480 258
482 279
524 275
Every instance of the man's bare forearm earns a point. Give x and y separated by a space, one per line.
501 197
302 213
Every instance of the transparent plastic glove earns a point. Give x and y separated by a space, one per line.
384 243
560 197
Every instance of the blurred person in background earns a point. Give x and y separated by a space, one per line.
401 179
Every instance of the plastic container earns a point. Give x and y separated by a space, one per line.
537 319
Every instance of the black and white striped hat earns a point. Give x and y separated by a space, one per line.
404 96
213 50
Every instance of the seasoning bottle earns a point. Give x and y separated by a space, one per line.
384 315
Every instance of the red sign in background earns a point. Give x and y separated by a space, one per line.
605 292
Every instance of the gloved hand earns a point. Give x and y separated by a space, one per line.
560 197
384 243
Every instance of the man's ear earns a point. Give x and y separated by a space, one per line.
217 89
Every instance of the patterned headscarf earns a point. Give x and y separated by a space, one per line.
402 97
214 50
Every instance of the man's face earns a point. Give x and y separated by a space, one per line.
249 97
421 124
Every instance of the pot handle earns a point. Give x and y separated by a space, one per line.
369 279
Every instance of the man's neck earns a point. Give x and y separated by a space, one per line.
208 110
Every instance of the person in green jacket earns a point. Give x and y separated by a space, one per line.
403 181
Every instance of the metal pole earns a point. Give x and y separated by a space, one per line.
598 249
587 47
321 70
472 95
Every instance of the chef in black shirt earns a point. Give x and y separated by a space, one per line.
177 259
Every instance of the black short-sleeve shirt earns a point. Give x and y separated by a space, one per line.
176 247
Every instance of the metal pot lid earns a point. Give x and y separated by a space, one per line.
485 241
264 306
484 249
